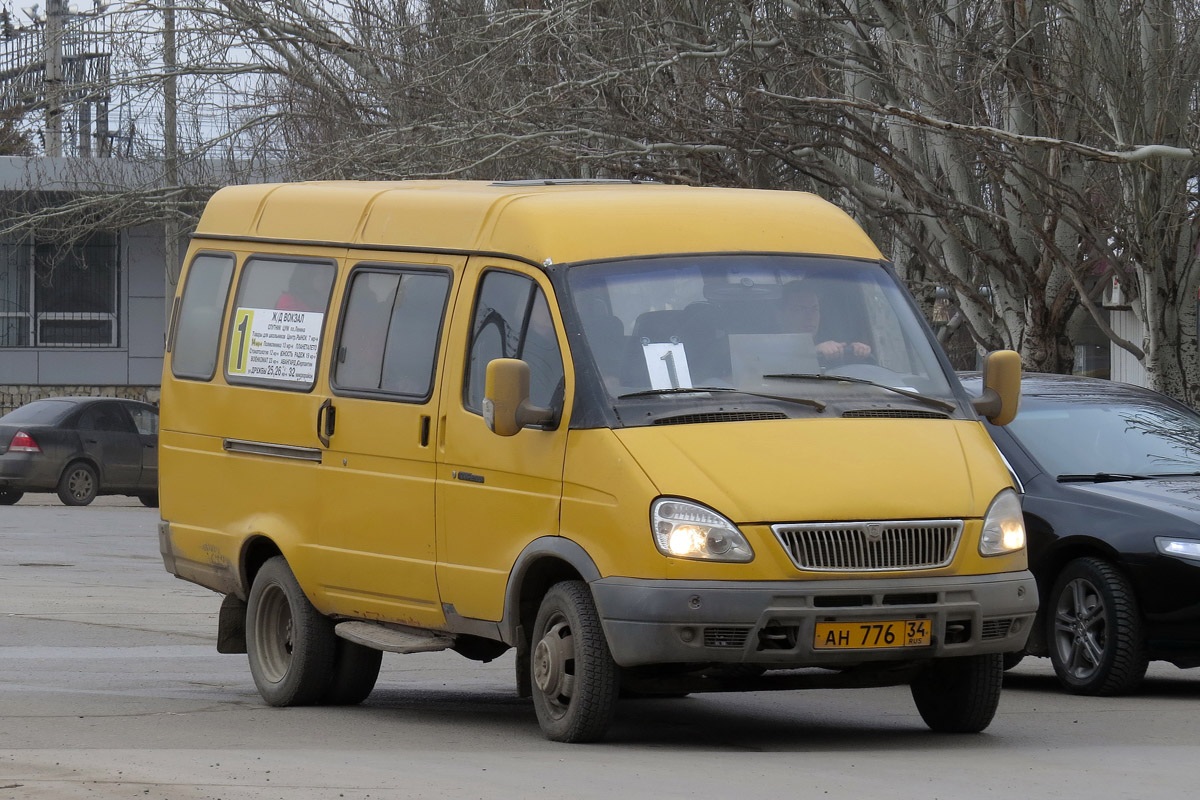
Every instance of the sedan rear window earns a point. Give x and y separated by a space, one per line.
39 412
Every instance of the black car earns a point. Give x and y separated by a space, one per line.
1111 482
80 447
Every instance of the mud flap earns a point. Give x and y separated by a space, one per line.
231 625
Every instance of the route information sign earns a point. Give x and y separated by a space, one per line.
276 345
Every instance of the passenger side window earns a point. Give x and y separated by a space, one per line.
198 331
512 320
390 332
145 420
278 319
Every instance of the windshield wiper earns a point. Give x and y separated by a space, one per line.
804 401
814 376
1102 477
1173 475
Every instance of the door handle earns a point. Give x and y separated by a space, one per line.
326 420
425 422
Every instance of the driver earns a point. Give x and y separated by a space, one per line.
802 314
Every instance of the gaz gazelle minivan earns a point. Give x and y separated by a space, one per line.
655 439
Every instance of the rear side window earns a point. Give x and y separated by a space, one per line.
198 330
390 332
278 319
108 417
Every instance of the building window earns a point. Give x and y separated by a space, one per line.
59 296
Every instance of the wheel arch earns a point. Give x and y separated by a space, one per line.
1052 566
86 459
543 563
256 551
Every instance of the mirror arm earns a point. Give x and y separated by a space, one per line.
988 404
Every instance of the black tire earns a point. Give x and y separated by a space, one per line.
79 484
9 497
149 500
1094 630
575 680
290 645
355 670
1012 659
959 695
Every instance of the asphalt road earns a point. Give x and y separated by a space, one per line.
111 687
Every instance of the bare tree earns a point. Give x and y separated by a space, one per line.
1018 152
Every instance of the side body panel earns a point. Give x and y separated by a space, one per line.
495 494
376 539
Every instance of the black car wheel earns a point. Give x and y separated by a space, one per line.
1094 631
575 680
291 646
149 500
79 484
959 695
10 496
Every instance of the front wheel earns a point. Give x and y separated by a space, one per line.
959 695
79 484
10 496
1094 630
575 680
291 646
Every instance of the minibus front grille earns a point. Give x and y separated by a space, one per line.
870 546
728 416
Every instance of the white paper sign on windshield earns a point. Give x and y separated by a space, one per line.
667 364
278 345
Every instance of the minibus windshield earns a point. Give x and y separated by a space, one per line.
816 329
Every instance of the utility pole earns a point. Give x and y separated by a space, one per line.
172 233
55 25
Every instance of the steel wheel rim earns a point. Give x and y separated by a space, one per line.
80 484
1080 629
273 633
553 662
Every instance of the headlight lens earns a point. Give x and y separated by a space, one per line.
683 529
1003 526
1182 548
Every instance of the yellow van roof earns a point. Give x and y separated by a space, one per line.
536 221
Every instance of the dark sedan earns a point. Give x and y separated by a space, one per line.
1111 480
80 447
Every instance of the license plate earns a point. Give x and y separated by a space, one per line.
871 635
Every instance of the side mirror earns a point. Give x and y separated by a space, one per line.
506 407
1001 387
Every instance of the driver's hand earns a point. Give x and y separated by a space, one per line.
862 350
831 349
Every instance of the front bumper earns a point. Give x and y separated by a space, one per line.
773 622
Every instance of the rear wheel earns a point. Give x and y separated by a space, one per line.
1094 630
575 680
79 484
355 670
291 646
959 695
149 500
10 496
